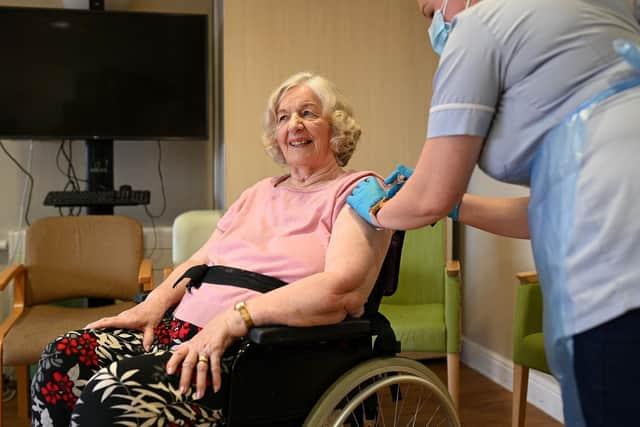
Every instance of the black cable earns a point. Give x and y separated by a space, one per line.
164 195
155 235
58 157
151 216
72 178
70 182
61 150
70 173
29 176
73 182
71 170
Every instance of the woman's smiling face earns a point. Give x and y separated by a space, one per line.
303 133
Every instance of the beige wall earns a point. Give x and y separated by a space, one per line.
490 263
375 51
378 53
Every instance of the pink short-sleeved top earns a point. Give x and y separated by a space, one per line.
273 230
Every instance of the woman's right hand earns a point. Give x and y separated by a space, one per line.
143 317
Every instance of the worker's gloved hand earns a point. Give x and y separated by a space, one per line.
364 196
629 51
397 179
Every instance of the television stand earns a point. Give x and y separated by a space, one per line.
99 171
99 178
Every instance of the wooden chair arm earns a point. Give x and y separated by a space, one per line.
9 273
527 277
453 306
145 274
453 268
17 273
146 291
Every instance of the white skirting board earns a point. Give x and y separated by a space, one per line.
544 391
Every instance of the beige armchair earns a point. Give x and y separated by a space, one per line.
66 258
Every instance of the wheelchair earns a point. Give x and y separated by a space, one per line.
346 374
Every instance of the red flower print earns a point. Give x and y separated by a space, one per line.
179 329
59 390
162 333
87 350
84 345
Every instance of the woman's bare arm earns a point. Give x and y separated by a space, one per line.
353 260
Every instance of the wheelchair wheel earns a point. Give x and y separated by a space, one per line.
385 392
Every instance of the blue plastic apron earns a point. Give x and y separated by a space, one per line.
554 174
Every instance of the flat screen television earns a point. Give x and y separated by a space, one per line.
85 74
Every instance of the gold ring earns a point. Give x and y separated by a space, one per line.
203 359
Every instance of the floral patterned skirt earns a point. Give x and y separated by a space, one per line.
104 377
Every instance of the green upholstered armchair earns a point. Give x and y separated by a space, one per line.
190 231
528 342
425 311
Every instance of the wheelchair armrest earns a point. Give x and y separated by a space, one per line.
277 334
269 335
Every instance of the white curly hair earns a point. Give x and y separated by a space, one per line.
345 131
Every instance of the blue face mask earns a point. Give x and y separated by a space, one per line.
439 29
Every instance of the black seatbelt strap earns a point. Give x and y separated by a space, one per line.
223 275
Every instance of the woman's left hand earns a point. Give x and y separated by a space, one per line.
397 179
202 354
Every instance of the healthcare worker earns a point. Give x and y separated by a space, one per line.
546 94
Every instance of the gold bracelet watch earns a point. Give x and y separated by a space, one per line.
376 208
241 307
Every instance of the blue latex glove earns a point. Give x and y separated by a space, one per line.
629 51
454 213
364 196
397 178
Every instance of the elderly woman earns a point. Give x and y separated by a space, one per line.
291 255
